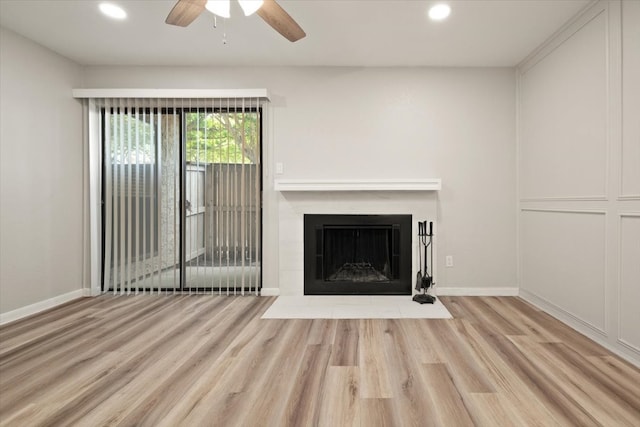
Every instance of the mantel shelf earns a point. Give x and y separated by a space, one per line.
433 184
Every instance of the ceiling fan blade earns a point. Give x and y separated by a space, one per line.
273 14
185 11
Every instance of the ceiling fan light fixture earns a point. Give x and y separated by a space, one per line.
219 7
184 12
249 7
439 12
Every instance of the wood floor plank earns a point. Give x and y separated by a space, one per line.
323 331
379 413
374 369
302 408
270 396
38 382
509 386
602 406
165 361
450 410
453 305
161 370
217 335
346 343
63 312
525 324
424 348
60 347
479 309
560 403
469 375
124 371
617 366
412 396
234 396
340 403
562 332
223 387
493 409
624 386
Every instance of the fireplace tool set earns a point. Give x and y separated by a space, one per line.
424 278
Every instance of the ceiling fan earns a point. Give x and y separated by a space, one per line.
186 11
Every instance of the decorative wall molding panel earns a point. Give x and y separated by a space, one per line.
629 287
574 211
566 199
630 149
563 127
579 232
563 261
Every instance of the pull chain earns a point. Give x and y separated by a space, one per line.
224 28
224 32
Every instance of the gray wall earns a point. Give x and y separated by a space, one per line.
457 124
41 175
579 174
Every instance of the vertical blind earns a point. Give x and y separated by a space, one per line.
181 195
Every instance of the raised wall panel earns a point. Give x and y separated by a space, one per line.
629 299
630 98
563 145
563 262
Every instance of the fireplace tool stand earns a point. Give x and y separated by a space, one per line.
424 279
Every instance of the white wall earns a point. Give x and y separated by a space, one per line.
453 124
41 176
579 163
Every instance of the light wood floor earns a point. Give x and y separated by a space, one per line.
199 360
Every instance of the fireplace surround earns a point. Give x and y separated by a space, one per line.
357 254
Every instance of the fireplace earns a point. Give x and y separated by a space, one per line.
357 254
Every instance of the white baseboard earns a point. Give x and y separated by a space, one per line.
624 352
37 307
91 292
270 292
488 292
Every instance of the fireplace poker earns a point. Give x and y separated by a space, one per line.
424 280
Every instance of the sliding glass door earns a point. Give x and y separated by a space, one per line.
181 196
222 218
141 198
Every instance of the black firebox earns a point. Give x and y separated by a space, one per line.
357 254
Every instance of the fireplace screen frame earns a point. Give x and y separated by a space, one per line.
314 226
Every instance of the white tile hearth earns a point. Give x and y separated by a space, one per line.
354 307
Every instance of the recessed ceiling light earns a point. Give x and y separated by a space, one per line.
439 11
112 11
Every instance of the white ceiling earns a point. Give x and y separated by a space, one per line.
339 33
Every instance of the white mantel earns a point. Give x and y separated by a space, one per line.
431 184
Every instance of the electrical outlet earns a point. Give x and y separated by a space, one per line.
449 260
279 168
